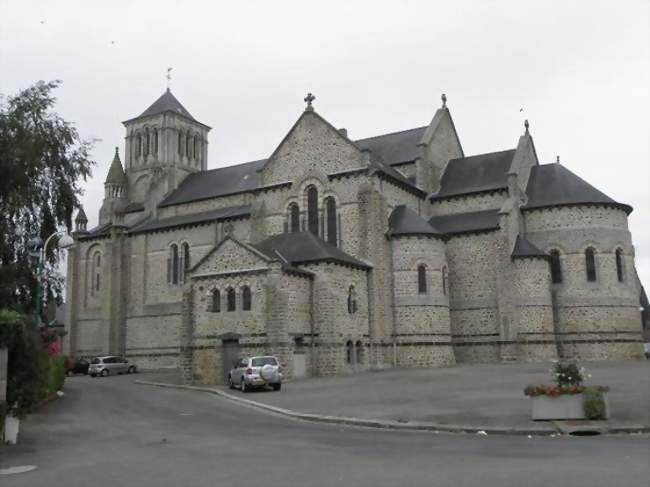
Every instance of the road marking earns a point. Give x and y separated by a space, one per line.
21 469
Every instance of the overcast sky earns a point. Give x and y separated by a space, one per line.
578 69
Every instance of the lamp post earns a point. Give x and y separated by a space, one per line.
39 251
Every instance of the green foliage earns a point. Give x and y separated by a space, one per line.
42 159
10 325
594 403
567 374
32 373
56 373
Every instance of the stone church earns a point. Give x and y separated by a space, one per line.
338 255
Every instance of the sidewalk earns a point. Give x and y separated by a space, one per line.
459 398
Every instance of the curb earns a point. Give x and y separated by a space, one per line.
366 423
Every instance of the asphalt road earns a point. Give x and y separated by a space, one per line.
110 432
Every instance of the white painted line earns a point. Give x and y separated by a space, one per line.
21 469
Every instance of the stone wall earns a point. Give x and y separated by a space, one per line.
422 324
533 318
472 263
473 202
333 322
311 145
599 319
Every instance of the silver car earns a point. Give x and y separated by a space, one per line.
250 372
110 364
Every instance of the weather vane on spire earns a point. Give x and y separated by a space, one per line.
169 78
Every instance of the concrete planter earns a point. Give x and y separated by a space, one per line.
564 406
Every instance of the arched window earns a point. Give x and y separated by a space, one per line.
352 300
312 210
330 210
185 260
590 264
147 142
155 142
246 298
294 218
195 151
139 151
95 285
349 352
445 278
556 266
180 144
172 265
422 279
359 352
216 301
231 300
619 265
188 147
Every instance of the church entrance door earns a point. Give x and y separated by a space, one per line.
230 354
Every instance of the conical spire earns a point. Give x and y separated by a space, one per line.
81 216
116 172
81 220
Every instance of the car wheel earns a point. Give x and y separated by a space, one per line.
243 385
231 385
131 370
277 387
105 373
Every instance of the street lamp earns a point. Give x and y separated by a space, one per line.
38 251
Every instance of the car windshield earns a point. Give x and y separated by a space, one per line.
262 361
96 361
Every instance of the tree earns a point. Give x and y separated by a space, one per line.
42 160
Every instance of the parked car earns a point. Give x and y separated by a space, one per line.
250 372
110 365
646 350
76 366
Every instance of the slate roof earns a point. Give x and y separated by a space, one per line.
377 166
474 174
116 173
395 147
167 103
304 248
554 185
476 221
216 182
81 216
404 221
134 207
151 225
98 231
525 248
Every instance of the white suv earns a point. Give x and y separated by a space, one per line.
252 372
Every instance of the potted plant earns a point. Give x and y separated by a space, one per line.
568 397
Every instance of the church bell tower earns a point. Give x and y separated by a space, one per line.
163 145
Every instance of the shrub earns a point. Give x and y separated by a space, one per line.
32 373
567 374
594 403
56 375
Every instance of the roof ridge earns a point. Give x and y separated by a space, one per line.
391 133
484 154
227 167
